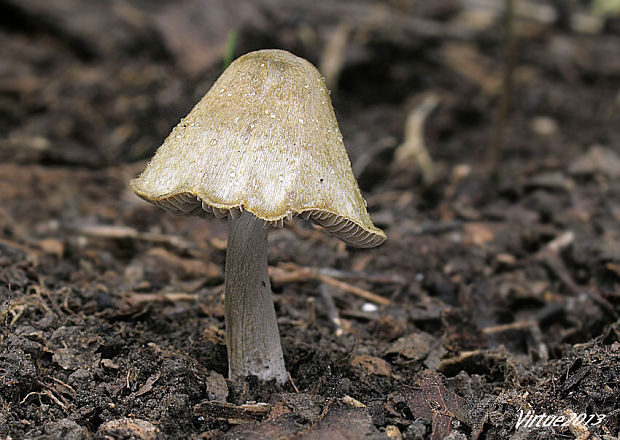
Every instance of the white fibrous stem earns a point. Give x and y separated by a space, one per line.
252 337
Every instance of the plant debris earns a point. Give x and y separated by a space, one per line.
496 294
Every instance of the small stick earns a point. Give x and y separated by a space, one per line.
32 393
538 341
69 388
281 276
36 289
123 232
140 298
290 378
413 150
332 311
311 304
362 293
560 242
518 325
53 389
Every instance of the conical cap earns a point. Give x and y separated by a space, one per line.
264 139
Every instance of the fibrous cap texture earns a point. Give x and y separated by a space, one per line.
264 139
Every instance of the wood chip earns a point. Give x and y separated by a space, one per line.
128 428
352 402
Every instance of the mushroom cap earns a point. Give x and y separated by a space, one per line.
264 139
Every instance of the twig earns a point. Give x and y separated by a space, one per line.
51 389
539 342
231 413
16 312
127 380
518 325
413 149
373 277
123 232
560 242
362 293
290 378
136 298
311 304
282 276
36 289
49 394
332 311
69 388
65 302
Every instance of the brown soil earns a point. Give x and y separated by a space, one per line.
501 278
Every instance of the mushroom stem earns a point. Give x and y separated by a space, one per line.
252 336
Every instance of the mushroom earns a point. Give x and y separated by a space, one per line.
263 145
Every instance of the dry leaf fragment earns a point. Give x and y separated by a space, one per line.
415 346
372 365
433 401
148 385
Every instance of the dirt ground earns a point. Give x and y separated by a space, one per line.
490 157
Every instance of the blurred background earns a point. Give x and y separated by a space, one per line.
99 83
485 135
